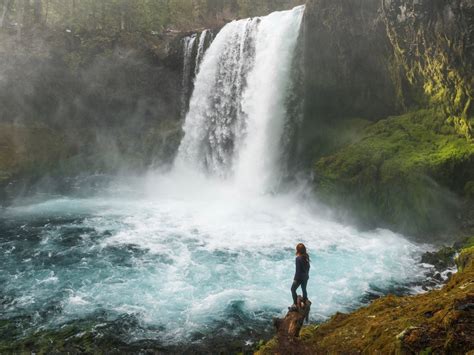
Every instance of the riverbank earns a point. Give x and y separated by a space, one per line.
439 321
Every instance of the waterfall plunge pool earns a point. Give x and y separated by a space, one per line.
180 260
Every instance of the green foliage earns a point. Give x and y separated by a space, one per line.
135 15
396 173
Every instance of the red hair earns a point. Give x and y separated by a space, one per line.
301 250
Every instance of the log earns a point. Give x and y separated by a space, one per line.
289 327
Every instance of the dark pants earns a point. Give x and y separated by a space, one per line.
295 285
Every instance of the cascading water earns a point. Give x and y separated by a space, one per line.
186 257
237 112
204 38
188 46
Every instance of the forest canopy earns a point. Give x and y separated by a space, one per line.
130 15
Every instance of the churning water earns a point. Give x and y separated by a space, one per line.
186 258
206 249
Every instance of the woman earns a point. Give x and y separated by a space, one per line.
301 274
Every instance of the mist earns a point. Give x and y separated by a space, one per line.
160 160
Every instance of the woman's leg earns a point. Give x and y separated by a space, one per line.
294 286
303 287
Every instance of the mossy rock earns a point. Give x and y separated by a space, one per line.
465 258
404 173
441 259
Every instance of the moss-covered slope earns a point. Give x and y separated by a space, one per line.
401 173
409 65
440 321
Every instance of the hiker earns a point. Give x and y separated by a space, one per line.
301 274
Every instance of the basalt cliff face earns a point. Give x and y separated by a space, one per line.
388 113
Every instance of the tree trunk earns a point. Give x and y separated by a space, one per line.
289 327
122 18
38 12
20 17
103 19
46 13
3 17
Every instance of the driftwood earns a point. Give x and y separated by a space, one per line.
289 327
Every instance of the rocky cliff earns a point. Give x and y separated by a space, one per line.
97 102
370 60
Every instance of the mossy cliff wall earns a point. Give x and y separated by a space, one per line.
374 58
433 47
412 61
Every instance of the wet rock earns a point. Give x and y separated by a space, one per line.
441 259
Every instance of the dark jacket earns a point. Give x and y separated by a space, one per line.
302 269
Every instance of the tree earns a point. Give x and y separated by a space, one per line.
5 10
38 12
20 16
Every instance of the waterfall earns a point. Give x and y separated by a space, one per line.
192 58
237 112
204 38
188 46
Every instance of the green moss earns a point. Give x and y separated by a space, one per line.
436 73
468 243
466 253
441 259
77 337
396 173
322 138
268 347
469 189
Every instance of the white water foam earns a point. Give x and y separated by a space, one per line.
184 254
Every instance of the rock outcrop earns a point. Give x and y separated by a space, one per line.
375 58
433 44
110 101
289 327
439 322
